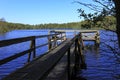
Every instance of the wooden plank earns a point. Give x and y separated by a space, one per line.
15 41
40 67
60 70
19 40
90 36
77 30
8 59
88 31
23 39
42 36
89 40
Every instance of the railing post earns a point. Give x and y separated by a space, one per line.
81 56
49 43
61 34
97 40
81 40
55 40
77 60
68 66
32 46
34 51
64 36
76 57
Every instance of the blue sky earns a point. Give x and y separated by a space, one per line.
40 11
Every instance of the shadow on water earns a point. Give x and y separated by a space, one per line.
100 65
91 48
7 51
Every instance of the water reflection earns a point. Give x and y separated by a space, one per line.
14 49
100 64
92 49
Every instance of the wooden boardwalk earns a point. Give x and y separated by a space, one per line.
59 63
91 36
40 67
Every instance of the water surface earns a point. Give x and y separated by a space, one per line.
101 62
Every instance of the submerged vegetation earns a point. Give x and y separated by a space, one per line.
109 21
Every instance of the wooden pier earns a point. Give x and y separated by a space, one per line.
91 36
60 62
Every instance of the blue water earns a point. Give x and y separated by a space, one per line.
14 49
102 64
11 50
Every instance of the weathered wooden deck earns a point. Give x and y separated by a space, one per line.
53 65
37 69
59 63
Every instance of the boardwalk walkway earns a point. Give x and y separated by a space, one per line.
59 63
36 69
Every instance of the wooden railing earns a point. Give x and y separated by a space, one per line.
45 64
32 49
78 56
61 37
95 37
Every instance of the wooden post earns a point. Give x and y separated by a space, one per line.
78 53
49 42
68 65
32 46
64 35
55 40
81 56
97 40
61 36
81 40
76 58
29 54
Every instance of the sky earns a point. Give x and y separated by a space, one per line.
40 11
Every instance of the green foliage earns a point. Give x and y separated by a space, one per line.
97 20
92 23
102 9
6 26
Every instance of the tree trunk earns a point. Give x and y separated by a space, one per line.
117 7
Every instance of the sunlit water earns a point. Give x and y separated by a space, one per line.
101 62
14 49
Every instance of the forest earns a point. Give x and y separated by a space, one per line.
108 22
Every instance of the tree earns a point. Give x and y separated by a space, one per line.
117 8
105 8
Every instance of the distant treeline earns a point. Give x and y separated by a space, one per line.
7 26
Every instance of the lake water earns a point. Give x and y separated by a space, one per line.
102 63
11 50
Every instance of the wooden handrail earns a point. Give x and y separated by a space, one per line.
4 43
9 42
89 31
8 59
46 63
41 36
